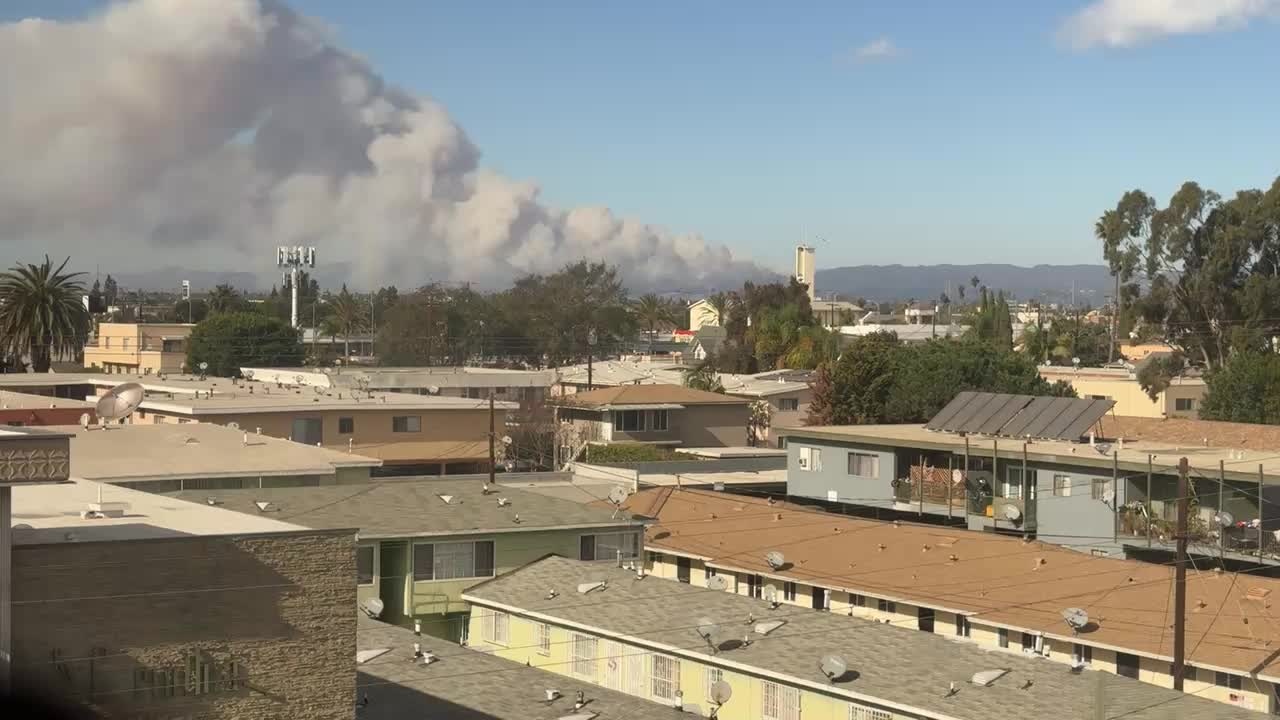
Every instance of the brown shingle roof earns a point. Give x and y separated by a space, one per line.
998 579
1184 432
649 395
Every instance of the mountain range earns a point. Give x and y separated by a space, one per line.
889 283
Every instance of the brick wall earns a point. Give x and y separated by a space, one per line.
250 627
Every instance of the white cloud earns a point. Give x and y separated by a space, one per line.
1125 23
878 49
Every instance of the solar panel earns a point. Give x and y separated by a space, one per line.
1009 415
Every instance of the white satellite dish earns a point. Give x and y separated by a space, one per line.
771 596
1076 618
721 691
233 425
717 582
618 495
372 607
120 401
834 667
1011 513
506 440
1225 519
984 678
775 559
433 389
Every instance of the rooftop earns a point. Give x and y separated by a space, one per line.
122 453
1114 374
629 395
903 668
22 401
163 383
398 377
258 397
999 579
469 684
619 372
51 514
389 508
907 333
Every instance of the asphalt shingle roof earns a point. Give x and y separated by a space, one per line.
892 664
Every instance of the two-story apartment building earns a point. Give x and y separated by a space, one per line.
141 348
680 646
1180 400
423 542
670 415
1004 595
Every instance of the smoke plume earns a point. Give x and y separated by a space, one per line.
206 132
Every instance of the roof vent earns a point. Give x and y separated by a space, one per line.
448 499
263 506
584 588
1258 593
986 677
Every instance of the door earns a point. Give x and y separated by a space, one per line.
612 653
819 598
683 566
924 620
1127 665
393 570
308 431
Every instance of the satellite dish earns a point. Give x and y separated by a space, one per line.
984 678
372 607
233 425
203 366
775 559
717 582
834 667
771 595
721 691
1011 513
618 495
506 440
120 401
433 389
1225 519
706 628
1076 618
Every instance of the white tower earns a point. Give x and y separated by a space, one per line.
293 259
806 269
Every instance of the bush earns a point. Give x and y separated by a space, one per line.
632 452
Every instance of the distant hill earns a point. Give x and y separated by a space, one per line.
888 283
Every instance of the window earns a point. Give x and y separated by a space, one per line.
886 606
755 586
1100 489
582 655
308 431
474 393
862 712
346 425
962 626
1227 680
1082 654
496 627
864 465
364 565
665 679
1062 485
14 423
1002 637
1184 404
788 404
810 458
657 419
779 702
1098 397
606 546
1188 672
628 420
857 600
924 619
544 639
406 423
1127 665
1012 485
452 560
655 558
126 342
1028 641
712 676
789 591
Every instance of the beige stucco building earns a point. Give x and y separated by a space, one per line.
138 348
669 415
1181 399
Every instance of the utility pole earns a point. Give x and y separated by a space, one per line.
591 346
493 458
1180 582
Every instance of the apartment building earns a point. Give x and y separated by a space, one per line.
25 410
672 643
1002 594
1180 400
141 606
140 348
423 542
670 415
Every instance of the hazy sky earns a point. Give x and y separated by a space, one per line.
898 131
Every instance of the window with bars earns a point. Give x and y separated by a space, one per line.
789 404
779 702
665 678
544 639
582 655
862 712
451 561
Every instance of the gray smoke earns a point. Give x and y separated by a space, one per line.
206 132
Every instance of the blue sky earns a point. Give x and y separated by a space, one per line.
981 137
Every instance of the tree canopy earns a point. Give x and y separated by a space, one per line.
42 315
229 341
1245 389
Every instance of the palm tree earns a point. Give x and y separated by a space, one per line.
346 317
717 307
224 298
42 312
652 312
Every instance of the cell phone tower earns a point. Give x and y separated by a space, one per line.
293 259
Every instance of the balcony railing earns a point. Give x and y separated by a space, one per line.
933 485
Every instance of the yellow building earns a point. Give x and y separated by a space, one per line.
141 348
672 643
1181 399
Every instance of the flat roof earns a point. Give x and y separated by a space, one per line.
120 453
720 453
754 477
51 514
622 396
392 508
265 398
904 669
177 383
22 401
468 684
408 376
995 578
1132 457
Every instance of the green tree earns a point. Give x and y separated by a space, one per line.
1245 389
822 404
224 299
42 315
110 291
97 305
1155 374
231 340
703 377
346 316
717 310
653 313
197 311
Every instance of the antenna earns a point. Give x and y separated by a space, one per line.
717 582
1076 618
119 402
775 559
834 667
